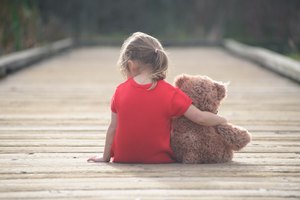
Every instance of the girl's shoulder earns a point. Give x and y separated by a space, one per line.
167 85
123 84
172 91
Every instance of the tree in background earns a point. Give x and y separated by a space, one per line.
18 27
22 27
271 23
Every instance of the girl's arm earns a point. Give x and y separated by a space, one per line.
202 117
108 141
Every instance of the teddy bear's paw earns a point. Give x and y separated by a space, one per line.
243 138
236 137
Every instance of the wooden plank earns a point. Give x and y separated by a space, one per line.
182 183
92 143
238 155
54 128
274 61
254 116
34 156
155 194
99 148
100 135
263 148
96 174
76 160
216 170
249 126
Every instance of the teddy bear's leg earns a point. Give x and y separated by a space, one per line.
235 137
227 156
216 152
190 158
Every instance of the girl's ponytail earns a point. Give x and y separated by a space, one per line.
160 65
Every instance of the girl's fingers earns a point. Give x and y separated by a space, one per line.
95 159
92 159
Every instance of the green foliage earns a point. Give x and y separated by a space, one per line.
18 26
295 56
274 24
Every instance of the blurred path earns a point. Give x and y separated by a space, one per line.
54 115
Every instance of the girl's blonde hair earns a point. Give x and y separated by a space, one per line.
146 50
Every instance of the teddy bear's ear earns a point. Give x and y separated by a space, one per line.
179 80
222 89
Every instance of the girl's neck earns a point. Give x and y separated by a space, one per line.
143 78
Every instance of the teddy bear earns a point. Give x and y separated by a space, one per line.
193 143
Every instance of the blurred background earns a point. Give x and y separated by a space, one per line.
273 24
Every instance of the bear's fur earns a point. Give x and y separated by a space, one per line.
193 143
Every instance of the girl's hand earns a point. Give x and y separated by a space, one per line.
97 159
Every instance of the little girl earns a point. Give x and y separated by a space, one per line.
144 105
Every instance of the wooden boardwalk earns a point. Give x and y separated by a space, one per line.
54 115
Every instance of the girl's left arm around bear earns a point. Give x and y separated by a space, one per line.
202 117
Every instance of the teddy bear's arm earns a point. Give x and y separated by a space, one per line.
235 137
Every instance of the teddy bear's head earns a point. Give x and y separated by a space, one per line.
206 93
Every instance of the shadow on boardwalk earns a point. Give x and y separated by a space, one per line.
54 116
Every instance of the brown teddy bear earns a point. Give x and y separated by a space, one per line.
193 143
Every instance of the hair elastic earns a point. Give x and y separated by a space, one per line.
156 50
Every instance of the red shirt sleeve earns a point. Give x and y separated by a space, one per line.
113 103
180 103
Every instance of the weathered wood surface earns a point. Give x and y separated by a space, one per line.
53 116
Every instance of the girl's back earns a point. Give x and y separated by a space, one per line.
144 121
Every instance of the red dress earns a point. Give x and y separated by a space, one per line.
144 121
